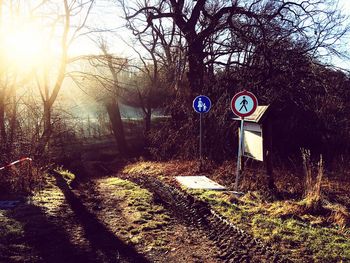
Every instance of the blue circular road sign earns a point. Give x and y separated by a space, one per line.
201 104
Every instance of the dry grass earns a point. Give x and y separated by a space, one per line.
312 190
163 170
325 201
301 237
287 181
339 215
22 179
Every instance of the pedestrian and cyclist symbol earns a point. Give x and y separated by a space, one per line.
244 103
201 104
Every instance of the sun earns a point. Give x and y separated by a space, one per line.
23 46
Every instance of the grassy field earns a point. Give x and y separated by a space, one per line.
304 230
301 238
302 233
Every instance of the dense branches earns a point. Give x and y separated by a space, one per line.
238 29
273 48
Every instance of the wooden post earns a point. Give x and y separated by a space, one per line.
267 149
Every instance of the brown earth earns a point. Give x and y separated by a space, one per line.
91 224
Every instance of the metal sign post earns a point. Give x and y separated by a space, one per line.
200 140
243 104
201 104
239 158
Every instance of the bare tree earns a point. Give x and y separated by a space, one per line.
68 36
315 24
160 67
101 75
10 82
112 103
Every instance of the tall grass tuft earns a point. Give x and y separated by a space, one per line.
312 190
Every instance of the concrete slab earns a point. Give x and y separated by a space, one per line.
199 182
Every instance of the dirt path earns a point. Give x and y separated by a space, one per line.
96 224
57 227
234 244
172 241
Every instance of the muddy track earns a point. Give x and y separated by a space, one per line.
234 244
100 237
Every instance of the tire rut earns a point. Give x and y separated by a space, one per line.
234 244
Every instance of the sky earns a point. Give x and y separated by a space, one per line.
345 5
107 15
344 63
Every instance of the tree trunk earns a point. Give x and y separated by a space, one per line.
47 121
148 116
45 137
196 66
267 145
13 126
117 125
2 118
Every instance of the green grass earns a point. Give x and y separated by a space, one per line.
67 175
10 229
297 239
146 218
11 238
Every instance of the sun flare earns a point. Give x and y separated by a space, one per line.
23 46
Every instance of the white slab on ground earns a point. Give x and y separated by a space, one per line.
199 182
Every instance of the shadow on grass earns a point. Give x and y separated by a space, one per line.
50 242
101 238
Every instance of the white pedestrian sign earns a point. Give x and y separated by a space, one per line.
244 103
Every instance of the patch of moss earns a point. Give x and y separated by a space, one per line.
152 225
160 243
165 217
135 240
146 216
126 185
